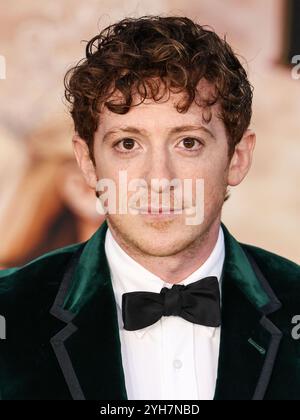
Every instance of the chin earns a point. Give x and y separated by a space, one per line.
155 238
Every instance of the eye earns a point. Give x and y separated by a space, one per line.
190 144
126 145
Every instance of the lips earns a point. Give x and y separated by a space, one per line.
159 210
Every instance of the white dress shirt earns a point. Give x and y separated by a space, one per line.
172 359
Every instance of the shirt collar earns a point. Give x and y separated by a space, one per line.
128 275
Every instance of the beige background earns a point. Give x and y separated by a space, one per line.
41 40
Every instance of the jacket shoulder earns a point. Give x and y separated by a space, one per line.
48 267
282 273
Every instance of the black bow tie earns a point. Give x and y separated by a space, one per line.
198 303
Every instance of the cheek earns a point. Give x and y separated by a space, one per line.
214 176
213 172
108 165
215 190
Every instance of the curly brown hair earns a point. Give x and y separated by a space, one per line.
129 56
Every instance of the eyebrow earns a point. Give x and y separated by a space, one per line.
173 130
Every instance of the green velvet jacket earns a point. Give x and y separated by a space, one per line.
62 339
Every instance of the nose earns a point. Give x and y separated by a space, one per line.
159 166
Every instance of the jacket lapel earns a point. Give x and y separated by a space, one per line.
88 348
249 340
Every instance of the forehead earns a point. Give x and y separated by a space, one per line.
162 112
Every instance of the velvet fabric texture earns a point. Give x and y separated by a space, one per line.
62 339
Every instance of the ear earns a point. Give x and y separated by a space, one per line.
84 161
242 159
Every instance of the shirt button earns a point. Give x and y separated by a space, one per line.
177 364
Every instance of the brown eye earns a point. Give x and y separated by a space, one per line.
189 143
128 144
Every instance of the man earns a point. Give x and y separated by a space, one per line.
157 304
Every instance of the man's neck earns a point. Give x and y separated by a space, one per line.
176 268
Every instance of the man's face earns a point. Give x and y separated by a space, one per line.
144 143
154 141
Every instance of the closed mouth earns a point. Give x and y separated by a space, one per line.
158 210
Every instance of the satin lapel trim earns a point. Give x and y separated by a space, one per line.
65 362
88 348
276 334
57 342
265 377
249 340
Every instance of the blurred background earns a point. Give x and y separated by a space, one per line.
44 202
